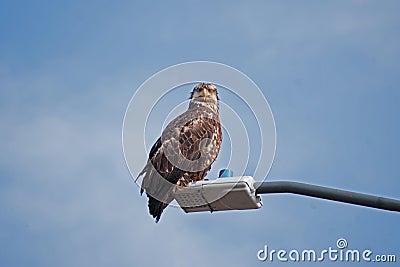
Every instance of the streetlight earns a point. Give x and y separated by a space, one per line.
242 192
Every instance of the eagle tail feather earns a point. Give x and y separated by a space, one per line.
156 207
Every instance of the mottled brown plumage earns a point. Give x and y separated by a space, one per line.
185 151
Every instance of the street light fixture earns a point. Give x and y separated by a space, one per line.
242 193
231 193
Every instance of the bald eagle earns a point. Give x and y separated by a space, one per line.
185 151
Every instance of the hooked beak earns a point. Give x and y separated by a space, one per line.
204 93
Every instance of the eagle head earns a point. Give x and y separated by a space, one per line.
205 94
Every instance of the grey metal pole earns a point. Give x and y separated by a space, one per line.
328 193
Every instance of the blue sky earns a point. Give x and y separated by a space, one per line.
330 72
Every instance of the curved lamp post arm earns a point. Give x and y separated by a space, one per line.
328 193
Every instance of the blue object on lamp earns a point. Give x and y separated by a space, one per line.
225 173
